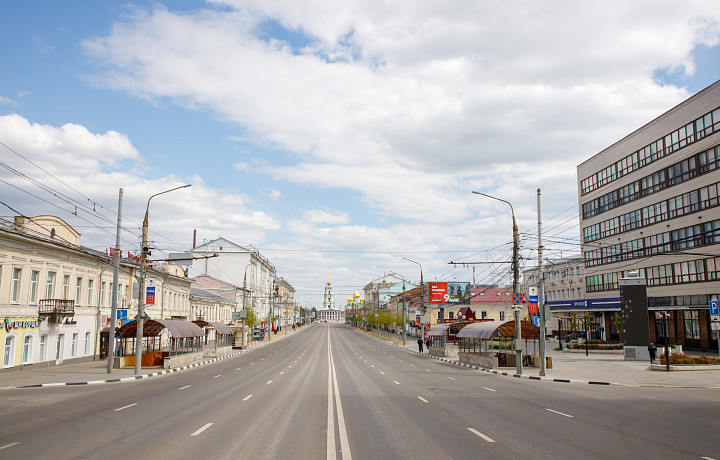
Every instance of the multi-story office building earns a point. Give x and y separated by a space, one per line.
649 203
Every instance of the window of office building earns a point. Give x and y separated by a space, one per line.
78 290
66 287
50 285
15 286
90 292
43 347
34 280
27 349
691 320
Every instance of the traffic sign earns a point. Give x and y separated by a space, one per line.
533 294
536 320
714 307
517 298
150 297
533 308
121 315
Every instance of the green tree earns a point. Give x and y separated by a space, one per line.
251 319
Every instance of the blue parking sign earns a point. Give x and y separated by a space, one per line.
536 320
714 307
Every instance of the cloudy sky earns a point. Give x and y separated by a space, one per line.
335 136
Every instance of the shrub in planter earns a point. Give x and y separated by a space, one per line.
678 358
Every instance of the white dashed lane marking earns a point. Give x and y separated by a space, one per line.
559 413
487 438
205 427
125 407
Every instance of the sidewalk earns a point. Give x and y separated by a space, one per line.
598 368
95 372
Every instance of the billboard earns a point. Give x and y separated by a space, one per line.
443 292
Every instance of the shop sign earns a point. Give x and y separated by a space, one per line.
10 325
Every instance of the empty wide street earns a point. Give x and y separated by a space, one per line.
330 391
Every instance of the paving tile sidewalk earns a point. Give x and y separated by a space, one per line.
95 372
605 368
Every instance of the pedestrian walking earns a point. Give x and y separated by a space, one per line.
427 344
652 349
420 345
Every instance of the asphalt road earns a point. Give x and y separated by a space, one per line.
376 402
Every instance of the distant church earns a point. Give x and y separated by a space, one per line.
329 312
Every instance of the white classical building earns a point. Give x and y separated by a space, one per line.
56 296
329 312
240 266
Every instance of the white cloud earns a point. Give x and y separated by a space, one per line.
320 216
413 104
274 195
83 172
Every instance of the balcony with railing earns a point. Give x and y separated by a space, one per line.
56 309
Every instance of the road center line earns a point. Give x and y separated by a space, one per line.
488 389
219 375
247 397
281 373
207 425
237 368
451 378
423 399
125 407
182 388
487 438
9 445
342 431
383 373
560 413
396 382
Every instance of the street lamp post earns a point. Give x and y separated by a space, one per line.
516 276
144 252
422 300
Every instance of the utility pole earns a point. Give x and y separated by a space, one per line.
516 276
144 253
541 287
116 275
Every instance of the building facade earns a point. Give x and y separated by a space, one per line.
240 266
208 306
649 203
328 312
55 295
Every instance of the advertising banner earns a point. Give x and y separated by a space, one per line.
443 293
459 293
437 292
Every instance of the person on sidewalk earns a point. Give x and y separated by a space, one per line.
652 349
420 345
427 343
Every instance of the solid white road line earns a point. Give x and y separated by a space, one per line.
331 454
207 425
125 407
182 388
487 438
344 442
560 413
9 445
396 382
488 389
247 397
422 399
